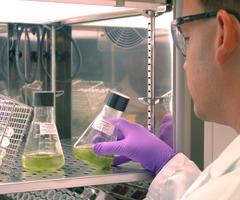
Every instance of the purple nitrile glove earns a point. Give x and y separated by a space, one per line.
137 144
166 130
165 134
100 137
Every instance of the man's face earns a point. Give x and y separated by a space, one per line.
199 65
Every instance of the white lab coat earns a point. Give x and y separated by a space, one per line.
181 179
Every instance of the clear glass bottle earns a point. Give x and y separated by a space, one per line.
43 150
100 130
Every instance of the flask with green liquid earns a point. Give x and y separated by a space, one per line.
100 130
43 150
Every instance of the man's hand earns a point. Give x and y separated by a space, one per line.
136 143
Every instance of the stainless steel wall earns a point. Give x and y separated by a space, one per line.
118 62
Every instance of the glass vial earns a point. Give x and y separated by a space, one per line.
43 150
100 130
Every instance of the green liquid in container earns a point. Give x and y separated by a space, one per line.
43 162
85 153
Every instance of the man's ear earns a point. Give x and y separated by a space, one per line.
227 35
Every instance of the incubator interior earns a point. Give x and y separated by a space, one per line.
80 54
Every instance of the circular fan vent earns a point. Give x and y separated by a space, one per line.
126 37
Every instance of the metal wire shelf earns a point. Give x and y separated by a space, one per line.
74 173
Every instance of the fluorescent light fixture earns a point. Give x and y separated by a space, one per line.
161 22
20 11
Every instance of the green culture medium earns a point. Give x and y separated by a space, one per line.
85 153
41 162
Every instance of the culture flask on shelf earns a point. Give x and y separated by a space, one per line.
100 130
43 150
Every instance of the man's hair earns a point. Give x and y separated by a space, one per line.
209 5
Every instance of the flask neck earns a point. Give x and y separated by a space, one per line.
44 114
108 111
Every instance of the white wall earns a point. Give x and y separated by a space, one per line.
216 138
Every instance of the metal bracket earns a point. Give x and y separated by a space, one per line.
150 100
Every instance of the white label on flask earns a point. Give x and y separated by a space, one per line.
103 126
48 129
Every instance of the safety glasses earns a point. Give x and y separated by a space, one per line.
178 37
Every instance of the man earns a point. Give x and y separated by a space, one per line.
209 37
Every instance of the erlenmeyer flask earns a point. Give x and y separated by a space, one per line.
43 150
100 130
